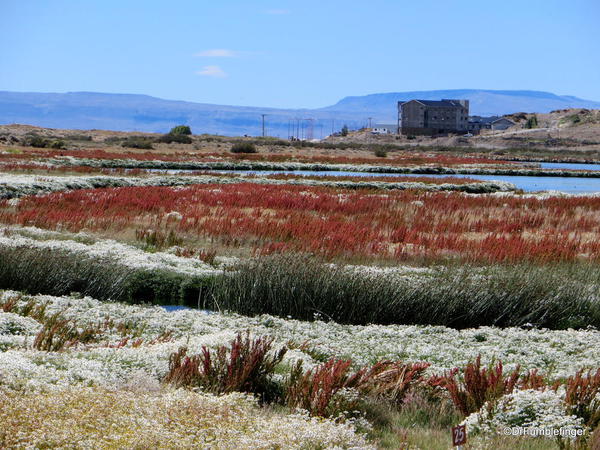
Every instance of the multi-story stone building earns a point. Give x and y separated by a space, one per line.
431 117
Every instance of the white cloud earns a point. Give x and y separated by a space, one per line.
212 71
277 12
218 53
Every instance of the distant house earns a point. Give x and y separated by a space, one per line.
502 124
431 117
381 128
478 123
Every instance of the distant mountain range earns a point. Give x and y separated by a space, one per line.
129 112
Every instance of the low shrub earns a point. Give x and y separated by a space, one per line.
475 386
59 333
392 380
380 152
532 122
36 141
179 134
245 366
181 130
583 397
177 138
40 142
158 240
79 137
314 390
332 389
137 142
114 140
59 144
243 147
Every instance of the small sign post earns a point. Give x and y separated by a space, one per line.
459 436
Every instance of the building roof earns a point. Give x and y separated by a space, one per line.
503 119
479 119
438 103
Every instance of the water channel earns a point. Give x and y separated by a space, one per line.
572 185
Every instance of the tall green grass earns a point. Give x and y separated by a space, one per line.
61 273
554 296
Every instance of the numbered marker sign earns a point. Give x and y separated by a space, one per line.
459 435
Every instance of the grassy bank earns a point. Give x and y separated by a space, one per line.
555 296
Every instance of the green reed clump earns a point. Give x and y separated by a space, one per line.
553 296
61 272
556 296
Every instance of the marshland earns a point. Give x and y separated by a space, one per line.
346 309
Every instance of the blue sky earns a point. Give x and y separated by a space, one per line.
298 53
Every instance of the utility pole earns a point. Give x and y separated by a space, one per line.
309 127
263 124
370 121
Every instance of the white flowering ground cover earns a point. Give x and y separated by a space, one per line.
527 409
53 386
107 249
88 245
74 397
557 354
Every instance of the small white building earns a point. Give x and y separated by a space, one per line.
380 128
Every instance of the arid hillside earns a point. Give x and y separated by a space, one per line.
570 134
